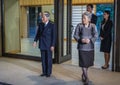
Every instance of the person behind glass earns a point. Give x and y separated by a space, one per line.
93 16
85 34
106 38
46 36
39 20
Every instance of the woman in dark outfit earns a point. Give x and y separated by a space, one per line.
85 34
106 38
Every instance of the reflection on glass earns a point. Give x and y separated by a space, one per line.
21 25
65 28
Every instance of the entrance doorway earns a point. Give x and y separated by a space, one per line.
77 11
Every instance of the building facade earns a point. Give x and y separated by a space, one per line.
18 23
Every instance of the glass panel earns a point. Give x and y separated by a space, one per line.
12 39
65 29
100 8
21 25
77 12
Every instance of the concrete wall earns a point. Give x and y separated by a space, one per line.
12 33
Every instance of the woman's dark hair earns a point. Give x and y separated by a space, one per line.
108 12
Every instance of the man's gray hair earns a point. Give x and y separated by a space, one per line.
47 14
88 14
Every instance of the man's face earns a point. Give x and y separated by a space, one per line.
89 9
44 18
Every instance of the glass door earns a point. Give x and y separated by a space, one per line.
64 31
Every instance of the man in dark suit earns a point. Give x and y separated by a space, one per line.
93 16
46 36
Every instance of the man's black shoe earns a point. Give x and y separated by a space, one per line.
47 75
42 75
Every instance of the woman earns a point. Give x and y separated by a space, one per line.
106 38
85 34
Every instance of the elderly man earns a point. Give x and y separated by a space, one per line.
46 36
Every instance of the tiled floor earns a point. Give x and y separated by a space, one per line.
24 72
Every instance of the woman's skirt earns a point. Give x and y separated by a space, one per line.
86 58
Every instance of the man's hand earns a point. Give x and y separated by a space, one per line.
101 38
52 48
34 44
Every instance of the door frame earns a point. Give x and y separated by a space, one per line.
60 27
116 42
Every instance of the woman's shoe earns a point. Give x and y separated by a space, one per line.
86 82
83 78
103 67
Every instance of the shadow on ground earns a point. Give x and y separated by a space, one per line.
54 81
2 83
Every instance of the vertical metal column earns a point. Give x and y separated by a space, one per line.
116 55
0 30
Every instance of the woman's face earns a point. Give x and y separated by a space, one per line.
85 19
106 15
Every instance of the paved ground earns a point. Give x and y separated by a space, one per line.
24 72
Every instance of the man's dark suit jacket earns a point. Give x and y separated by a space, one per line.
46 36
94 19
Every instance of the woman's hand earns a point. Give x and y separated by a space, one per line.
83 41
86 41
